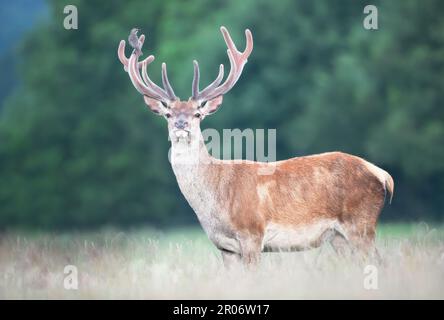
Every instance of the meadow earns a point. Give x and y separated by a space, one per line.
183 264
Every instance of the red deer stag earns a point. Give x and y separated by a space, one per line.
330 197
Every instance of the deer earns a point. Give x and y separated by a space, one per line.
307 201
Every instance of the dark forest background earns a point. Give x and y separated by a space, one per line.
79 149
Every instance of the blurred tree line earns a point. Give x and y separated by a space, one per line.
78 148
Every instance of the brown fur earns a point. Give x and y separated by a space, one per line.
300 192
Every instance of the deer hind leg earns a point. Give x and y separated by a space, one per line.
340 245
360 226
362 242
364 245
356 243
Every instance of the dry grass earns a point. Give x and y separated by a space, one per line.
183 264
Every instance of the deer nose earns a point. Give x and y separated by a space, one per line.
181 124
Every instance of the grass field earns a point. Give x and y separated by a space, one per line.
182 263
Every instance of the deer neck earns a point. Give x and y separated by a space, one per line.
194 167
190 161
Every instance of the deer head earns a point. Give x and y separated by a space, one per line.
184 117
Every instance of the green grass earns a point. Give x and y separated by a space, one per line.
401 229
182 263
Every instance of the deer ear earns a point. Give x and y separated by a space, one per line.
212 105
155 105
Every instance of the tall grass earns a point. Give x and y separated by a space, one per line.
147 264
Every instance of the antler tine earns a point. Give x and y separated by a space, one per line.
121 53
166 83
158 90
195 88
237 62
144 84
138 82
215 83
196 78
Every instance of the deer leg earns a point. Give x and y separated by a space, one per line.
340 245
363 244
230 259
251 248
365 248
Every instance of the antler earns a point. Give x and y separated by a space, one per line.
237 62
144 84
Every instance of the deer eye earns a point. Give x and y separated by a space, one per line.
198 115
164 104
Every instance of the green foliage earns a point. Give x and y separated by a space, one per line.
79 149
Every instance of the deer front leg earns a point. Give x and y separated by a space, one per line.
251 248
230 259
249 253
